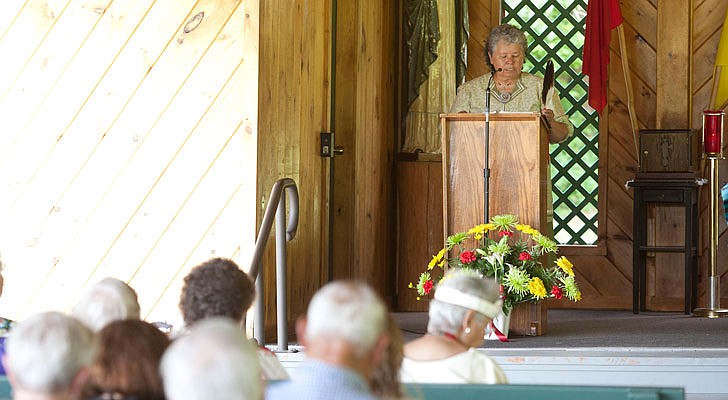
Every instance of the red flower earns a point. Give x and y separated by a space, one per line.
525 256
427 287
466 257
556 291
505 233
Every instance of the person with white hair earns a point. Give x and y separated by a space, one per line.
212 361
48 356
344 338
108 300
463 306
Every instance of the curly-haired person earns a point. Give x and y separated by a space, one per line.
219 288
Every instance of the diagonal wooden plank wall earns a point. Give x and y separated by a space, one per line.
605 272
129 126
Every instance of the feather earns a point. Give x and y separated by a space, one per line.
548 81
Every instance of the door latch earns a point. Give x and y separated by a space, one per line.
328 149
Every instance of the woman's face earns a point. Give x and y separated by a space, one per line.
509 57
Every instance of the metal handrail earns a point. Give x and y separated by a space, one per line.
276 208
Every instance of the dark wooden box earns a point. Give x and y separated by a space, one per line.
669 150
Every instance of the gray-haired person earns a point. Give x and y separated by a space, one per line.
212 361
108 300
463 306
344 338
48 356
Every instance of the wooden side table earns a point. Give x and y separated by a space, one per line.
664 189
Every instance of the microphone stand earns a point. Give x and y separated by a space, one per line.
486 148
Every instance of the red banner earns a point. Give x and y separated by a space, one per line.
601 17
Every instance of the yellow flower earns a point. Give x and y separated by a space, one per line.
437 260
479 230
577 296
535 286
411 286
527 229
565 265
522 227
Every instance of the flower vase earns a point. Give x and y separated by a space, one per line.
501 322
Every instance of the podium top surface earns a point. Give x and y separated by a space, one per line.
494 115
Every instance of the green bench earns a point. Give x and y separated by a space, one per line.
5 391
437 391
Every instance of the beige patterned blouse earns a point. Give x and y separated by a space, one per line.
525 97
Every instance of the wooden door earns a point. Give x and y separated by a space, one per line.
294 108
297 104
363 212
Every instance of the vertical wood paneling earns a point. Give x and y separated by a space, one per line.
134 146
673 64
294 109
347 59
374 159
484 15
419 199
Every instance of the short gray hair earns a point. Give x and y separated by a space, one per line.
213 361
108 300
447 318
504 33
46 351
347 310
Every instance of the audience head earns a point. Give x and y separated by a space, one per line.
108 300
348 311
49 354
212 361
126 365
385 380
216 288
463 298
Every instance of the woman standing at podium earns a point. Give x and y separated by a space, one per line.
512 90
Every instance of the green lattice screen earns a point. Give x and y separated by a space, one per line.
555 30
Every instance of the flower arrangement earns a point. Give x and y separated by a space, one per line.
511 253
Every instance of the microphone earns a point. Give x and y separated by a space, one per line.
487 92
486 147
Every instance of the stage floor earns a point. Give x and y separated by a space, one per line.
605 329
613 348
616 348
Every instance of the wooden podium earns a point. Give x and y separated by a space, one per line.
518 158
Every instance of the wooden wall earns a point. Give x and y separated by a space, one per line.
296 105
127 147
671 47
366 114
708 17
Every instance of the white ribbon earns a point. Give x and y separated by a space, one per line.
455 297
